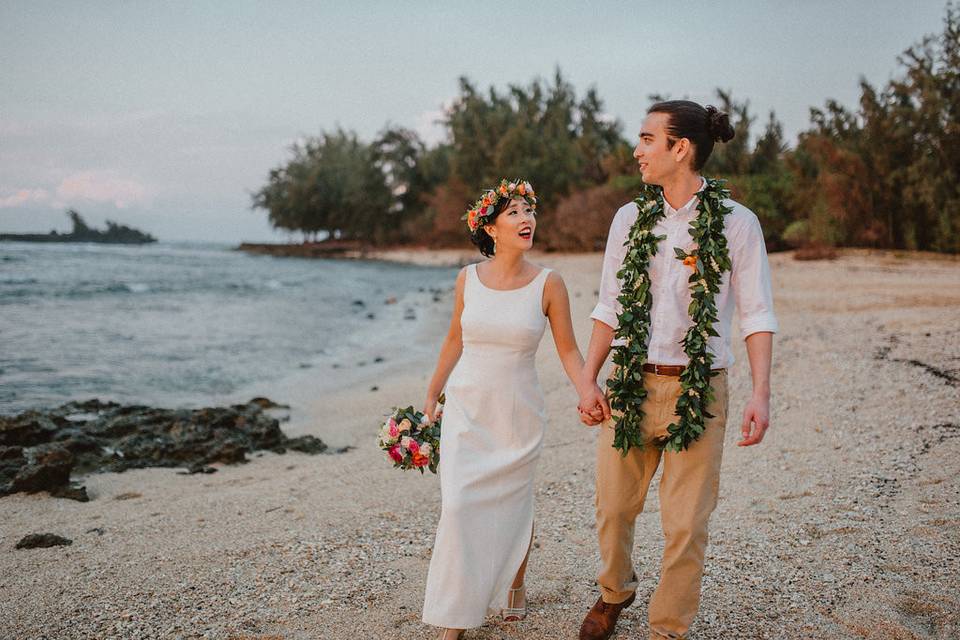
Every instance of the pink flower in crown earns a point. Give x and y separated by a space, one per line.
393 429
394 453
405 442
413 447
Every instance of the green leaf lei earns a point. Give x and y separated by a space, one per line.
711 260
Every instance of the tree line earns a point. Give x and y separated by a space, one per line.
883 174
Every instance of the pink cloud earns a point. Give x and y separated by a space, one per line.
101 186
23 196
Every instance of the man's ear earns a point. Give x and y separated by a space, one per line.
682 149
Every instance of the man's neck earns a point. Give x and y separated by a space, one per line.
678 190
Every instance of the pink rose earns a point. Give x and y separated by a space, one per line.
394 430
413 447
395 454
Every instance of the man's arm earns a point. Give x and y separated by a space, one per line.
751 284
597 352
756 415
593 407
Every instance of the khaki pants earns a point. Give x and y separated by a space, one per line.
688 494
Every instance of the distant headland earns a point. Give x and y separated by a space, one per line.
114 234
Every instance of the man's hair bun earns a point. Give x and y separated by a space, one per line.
718 124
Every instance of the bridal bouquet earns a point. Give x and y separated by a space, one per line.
410 440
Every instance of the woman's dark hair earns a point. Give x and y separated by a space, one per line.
480 237
701 126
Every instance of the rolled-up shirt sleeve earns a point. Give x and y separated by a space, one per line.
608 307
750 279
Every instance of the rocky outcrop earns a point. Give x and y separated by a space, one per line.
114 234
39 450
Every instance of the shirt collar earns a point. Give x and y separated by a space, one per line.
689 206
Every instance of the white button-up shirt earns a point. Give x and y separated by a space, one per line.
748 281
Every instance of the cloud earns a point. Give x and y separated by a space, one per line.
23 196
102 187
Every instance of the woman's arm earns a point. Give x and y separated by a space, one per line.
449 352
594 407
557 302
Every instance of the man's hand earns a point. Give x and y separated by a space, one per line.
593 407
756 420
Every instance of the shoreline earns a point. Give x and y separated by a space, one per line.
843 523
425 256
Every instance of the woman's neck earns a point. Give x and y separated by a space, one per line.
508 261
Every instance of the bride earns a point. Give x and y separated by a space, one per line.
494 417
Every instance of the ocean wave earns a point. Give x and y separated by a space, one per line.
18 289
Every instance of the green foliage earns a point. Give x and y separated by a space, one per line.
888 173
883 174
334 183
710 260
541 132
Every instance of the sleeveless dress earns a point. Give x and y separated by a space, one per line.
493 424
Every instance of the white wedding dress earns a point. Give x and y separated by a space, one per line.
493 424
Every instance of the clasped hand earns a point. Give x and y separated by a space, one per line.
593 407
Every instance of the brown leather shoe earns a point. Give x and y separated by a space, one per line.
601 620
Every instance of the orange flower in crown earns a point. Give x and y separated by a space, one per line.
479 213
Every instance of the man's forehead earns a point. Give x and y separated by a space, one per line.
653 123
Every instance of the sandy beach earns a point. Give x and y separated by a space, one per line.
843 523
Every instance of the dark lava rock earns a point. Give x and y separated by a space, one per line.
267 403
39 450
306 444
42 540
73 491
39 468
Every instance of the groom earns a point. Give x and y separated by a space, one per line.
676 139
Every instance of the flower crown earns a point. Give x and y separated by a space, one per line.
483 208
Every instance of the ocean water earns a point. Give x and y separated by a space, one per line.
189 324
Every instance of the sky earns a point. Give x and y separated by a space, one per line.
166 116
